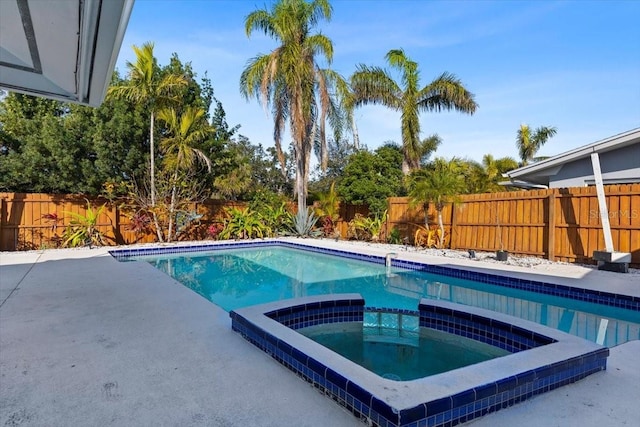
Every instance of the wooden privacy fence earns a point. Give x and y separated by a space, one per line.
26 219
37 221
561 224
558 224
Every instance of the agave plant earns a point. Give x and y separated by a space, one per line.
303 223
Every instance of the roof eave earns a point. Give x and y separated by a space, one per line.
552 163
101 46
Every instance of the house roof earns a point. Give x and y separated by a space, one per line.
539 172
61 49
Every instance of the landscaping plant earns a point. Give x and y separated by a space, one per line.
367 228
242 223
394 237
303 223
328 210
83 229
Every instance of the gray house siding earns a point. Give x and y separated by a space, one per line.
618 167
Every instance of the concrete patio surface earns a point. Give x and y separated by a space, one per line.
86 340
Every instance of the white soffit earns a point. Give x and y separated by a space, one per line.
61 49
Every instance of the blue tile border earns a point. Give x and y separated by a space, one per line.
598 297
480 328
475 390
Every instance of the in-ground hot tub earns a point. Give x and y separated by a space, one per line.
540 359
392 344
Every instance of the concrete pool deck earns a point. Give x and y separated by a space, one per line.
86 340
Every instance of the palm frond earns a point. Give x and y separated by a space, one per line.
259 20
319 44
447 92
373 85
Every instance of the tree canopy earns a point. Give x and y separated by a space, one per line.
54 147
371 177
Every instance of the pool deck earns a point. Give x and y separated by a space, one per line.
88 341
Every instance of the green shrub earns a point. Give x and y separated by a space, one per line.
242 223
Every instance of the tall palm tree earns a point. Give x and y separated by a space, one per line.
529 142
146 86
185 132
289 79
440 184
374 85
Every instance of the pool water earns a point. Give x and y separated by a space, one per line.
235 278
401 355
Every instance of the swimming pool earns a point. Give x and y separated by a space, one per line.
541 359
239 275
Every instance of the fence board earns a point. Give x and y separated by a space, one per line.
560 224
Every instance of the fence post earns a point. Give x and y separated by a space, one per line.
551 226
2 213
117 232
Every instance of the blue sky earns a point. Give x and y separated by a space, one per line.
574 65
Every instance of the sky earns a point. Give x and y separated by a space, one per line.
574 65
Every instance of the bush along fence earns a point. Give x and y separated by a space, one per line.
558 224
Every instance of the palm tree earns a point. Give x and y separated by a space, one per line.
184 133
492 170
373 85
529 143
289 79
146 86
440 184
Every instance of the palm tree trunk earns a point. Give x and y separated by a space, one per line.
441 228
308 147
356 137
300 173
405 167
172 207
153 161
426 215
152 179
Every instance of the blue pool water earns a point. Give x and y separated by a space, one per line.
404 355
235 278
